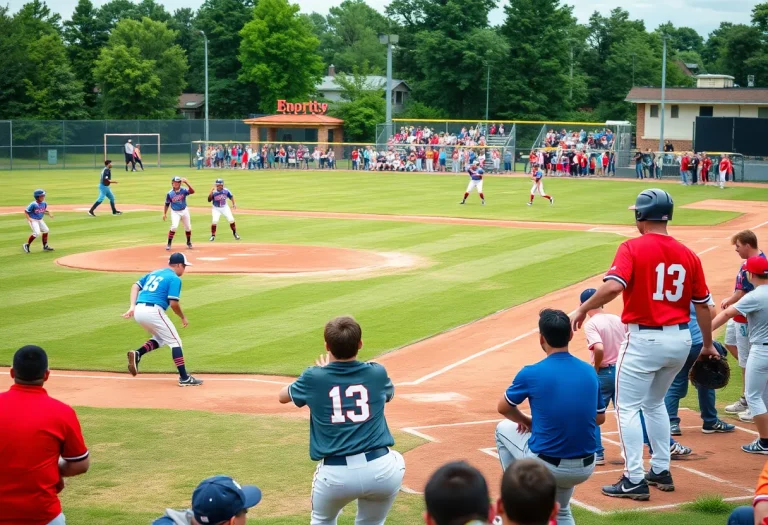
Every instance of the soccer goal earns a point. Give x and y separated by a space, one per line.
114 147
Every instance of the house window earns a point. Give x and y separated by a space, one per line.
398 97
675 111
762 112
654 111
707 111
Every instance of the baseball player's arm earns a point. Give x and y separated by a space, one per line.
514 414
704 318
49 212
723 317
165 210
176 307
733 299
232 198
597 348
134 294
285 395
190 188
514 395
607 292
210 195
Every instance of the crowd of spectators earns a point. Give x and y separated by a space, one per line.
580 140
430 158
574 162
268 156
693 168
472 136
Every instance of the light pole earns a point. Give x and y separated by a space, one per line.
663 91
633 69
570 96
389 40
205 41
487 90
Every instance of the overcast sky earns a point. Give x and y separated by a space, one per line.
702 15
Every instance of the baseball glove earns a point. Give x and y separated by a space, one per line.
711 373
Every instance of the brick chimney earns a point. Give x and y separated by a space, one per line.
331 71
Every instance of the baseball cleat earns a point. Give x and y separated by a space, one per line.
462 202
47 248
167 247
551 201
237 237
738 406
599 459
746 416
626 489
662 480
482 202
133 362
117 213
755 448
25 247
720 426
679 451
674 429
189 245
213 238
190 381
91 214
529 203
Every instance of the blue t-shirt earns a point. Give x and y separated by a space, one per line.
538 174
219 198
177 199
36 209
106 177
346 404
565 399
159 287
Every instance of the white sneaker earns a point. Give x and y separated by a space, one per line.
737 407
746 416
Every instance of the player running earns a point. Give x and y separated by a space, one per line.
176 199
105 181
150 297
35 213
348 432
538 185
475 181
659 278
218 199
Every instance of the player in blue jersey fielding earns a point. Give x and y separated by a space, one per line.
150 297
105 181
475 172
348 432
218 199
34 214
176 199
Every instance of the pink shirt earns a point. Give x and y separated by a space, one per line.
608 330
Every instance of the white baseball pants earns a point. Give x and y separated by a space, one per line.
182 216
38 226
722 178
737 334
648 362
475 184
154 320
373 484
217 212
756 380
538 186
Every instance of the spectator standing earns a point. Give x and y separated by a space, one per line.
216 500
129 158
199 157
639 165
668 147
693 167
355 159
706 164
137 157
726 170
684 165
457 494
496 158
40 444
604 333
528 495
566 408
507 158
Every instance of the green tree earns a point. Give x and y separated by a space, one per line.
760 16
85 35
115 10
141 70
681 38
362 107
222 21
353 28
53 90
715 47
414 109
279 54
744 49
37 19
191 41
13 64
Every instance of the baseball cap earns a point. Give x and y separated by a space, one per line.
757 265
220 498
587 294
219 181
179 258
129 140
176 179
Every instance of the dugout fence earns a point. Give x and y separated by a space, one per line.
667 165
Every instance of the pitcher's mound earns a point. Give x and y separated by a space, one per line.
269 259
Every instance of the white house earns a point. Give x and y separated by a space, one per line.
713 96
331 91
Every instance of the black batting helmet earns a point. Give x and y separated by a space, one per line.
653 205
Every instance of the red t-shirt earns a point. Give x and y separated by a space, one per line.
355 154
661 277
725 165
36 430
684 163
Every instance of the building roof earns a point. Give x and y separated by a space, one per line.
190 101
371 81
296 120
713 75
700 95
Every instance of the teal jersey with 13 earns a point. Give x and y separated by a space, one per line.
346 402
159 287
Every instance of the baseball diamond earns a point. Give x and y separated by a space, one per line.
423 313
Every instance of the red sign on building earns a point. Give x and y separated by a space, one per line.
297 108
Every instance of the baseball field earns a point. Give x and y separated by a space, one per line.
452 318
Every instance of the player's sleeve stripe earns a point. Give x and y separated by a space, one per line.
601 411
139 285
615 278
290 394
77 458
759 498
508 401
173 298
702 301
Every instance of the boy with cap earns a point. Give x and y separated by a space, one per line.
218 500
754 306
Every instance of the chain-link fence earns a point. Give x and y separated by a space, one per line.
701 168
46 144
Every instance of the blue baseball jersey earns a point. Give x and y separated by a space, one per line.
177 199
475 174
538 174
159 287
36 209
346 404
742 281
219 198
106 177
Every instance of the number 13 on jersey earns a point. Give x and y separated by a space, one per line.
357 392
677 272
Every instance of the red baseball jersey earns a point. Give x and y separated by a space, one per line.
661 277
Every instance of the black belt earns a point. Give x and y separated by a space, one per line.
607 366
681 326
341 461
586 461
147 304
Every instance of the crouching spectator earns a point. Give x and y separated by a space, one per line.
457 494
40 444
757 513
218 500
528 494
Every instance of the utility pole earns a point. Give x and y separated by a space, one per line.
663 91
570 96
205 41
389 40
487 90
633 69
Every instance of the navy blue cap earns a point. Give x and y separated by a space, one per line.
586 294
39 193
219 181
179 258
176 179
220 498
